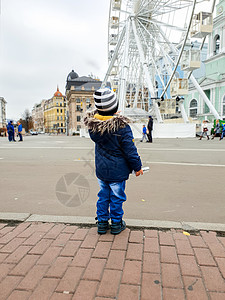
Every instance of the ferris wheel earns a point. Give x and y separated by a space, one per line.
147 42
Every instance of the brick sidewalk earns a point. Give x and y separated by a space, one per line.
61 262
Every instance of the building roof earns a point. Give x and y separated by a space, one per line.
58 93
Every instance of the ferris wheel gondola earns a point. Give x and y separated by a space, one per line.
146 42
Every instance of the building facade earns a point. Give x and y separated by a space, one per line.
55 113
2 112
38 116
79 94
213 81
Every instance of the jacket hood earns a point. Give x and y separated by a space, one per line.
102 124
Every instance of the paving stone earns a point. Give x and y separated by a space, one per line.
132 272
134 251
7 285
90 241
34 238
189 266
45 289
197 241
80 234
151 233
136 236
94 269
116 259
151 245
12 245
61 296
58 268
213 280
33 277
102 249
70 229
195 288
121 240
49 256
221 264
86 290
108 237
109 284
130 292
5 270
180 236
55 231
70 248
61 239
19 295
151 286
166 239
184 247
70 280
41 246
217 296
18 254
175 294
204 257
3 256
82 257
151 263
168 254
171 276
25 265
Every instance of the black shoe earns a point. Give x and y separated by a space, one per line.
103 226
117 227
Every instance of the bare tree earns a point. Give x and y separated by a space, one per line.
26 120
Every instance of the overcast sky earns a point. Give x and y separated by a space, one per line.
42 41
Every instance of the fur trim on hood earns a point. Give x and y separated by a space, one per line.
110 125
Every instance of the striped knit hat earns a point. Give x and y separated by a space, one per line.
105 101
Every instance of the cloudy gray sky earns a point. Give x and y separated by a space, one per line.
42 41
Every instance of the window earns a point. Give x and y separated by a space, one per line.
78 100
61 110
216 46
78 127
88 100
206 108
61 124
78 108
78 118
193 108
57 110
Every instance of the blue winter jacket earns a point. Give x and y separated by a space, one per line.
20 128
10 128
115 152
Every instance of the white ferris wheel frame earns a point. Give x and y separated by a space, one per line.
131 25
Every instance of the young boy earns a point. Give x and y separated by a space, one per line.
115 158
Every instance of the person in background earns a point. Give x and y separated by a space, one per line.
223 131
205 130
150 128
144 134
217 129
11 132
20 128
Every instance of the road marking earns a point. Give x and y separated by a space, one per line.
162 163
183 164
92 148
182 149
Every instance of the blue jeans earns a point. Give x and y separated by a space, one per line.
110 197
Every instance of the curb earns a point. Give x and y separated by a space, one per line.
134 223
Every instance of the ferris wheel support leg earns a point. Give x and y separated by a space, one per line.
205 98
146 71
183 112
123 89
114 57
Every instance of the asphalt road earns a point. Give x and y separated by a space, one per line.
54 175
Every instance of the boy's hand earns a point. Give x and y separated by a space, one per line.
139 173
